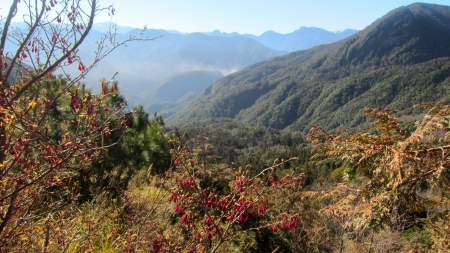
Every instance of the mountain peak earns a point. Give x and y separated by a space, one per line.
422 29
222 34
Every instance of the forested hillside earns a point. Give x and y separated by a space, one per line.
401 59
231 141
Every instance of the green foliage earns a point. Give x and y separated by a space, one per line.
133 142
141 145
233 142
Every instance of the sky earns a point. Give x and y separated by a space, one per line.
246 16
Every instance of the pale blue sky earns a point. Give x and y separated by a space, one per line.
248 16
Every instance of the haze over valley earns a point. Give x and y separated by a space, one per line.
174 59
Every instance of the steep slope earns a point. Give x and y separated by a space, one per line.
173 94
175 88
401 59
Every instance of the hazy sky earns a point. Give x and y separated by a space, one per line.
248 16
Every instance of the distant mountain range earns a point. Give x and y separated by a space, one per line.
401 59
147 67
303 38
175 58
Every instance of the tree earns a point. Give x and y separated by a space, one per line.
385 172
141 146
41 148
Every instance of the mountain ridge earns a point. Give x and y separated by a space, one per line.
330 84
302 38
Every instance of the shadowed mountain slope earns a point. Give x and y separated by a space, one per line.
400 59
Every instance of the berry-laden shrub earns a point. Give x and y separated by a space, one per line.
205 218
51 128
